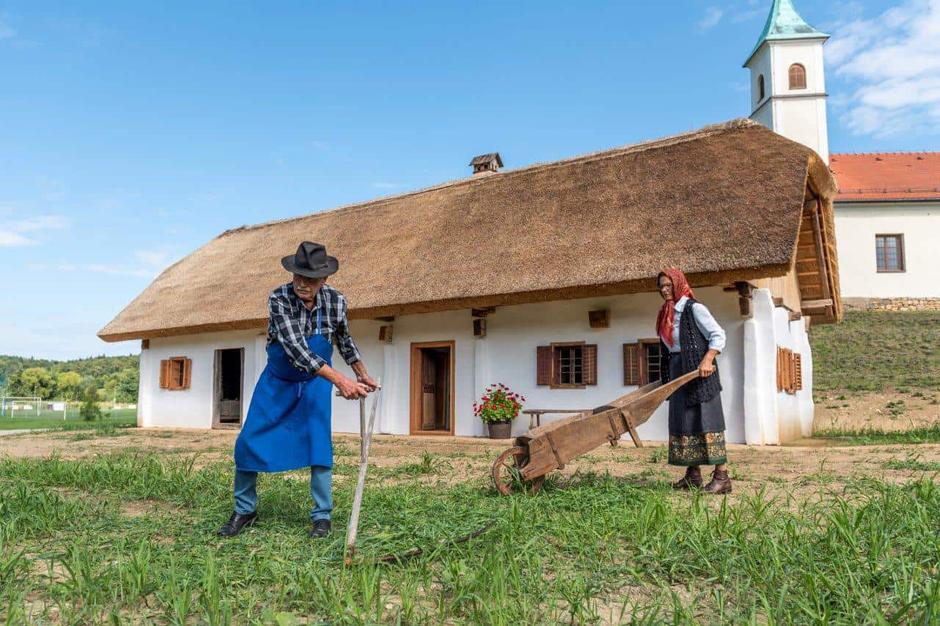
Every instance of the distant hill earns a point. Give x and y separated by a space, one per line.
103 372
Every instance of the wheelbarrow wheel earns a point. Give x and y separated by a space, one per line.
507 472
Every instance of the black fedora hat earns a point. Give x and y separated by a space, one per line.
311 260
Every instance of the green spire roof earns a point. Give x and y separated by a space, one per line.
785 23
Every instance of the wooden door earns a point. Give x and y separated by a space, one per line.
432 388
429 390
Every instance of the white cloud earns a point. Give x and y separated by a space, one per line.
381 184
12 233
146 263
9 239
6 31
711 18
893 62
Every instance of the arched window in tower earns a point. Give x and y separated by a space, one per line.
760 88
797 76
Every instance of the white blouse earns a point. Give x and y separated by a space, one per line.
705 322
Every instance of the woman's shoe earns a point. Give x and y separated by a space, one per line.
720 483
691 480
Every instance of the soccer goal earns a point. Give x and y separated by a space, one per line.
20 406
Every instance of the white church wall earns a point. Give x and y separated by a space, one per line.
760 66
857 224
799 114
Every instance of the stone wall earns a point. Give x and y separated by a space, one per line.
891 304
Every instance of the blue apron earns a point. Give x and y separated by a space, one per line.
289 421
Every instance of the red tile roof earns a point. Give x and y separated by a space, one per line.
887 176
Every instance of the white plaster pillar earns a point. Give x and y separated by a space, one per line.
805 396
481 378
145 389
390 389
760 371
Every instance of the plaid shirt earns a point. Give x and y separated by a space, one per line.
290 323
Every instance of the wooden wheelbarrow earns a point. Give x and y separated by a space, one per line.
550 447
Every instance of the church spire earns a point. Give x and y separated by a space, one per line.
784 22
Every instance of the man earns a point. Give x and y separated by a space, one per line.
289 420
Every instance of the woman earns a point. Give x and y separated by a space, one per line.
696 419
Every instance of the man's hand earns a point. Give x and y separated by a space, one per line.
346 387
351 390
363 377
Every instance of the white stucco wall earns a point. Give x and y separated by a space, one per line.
856 227
192 408
508 354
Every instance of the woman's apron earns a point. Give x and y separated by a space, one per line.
289 421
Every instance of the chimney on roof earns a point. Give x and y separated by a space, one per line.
486 163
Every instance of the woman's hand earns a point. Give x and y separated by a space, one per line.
707 367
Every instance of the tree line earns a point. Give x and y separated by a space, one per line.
106 378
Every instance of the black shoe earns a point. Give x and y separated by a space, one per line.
321 528
236 523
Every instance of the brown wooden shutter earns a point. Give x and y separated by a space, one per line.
165 374
589 366
187 373
631 364
797 372
780 368
543 367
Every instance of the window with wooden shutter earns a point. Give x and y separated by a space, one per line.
789 371
543 367
797 76
631 364
650 361
590 365
176 373
566 365
797 372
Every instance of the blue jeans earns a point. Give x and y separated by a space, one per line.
321 490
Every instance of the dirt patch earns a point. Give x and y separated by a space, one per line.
139 508
808 467
888 411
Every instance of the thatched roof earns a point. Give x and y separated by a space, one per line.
723 203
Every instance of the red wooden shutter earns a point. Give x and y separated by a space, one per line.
187 373
543 367
631 364
589 364
165 374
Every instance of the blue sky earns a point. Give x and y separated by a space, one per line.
132 133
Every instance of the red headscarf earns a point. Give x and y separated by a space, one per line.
667 314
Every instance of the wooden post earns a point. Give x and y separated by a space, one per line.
362 430
353 527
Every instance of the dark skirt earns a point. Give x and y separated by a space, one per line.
697 432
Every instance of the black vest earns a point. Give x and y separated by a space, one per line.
693 345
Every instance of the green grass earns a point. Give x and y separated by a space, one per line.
578 551
912 464
878 351
116 418
879 437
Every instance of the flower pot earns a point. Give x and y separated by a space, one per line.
500 430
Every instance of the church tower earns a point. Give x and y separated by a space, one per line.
788 82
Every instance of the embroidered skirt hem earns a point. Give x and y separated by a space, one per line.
702 449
